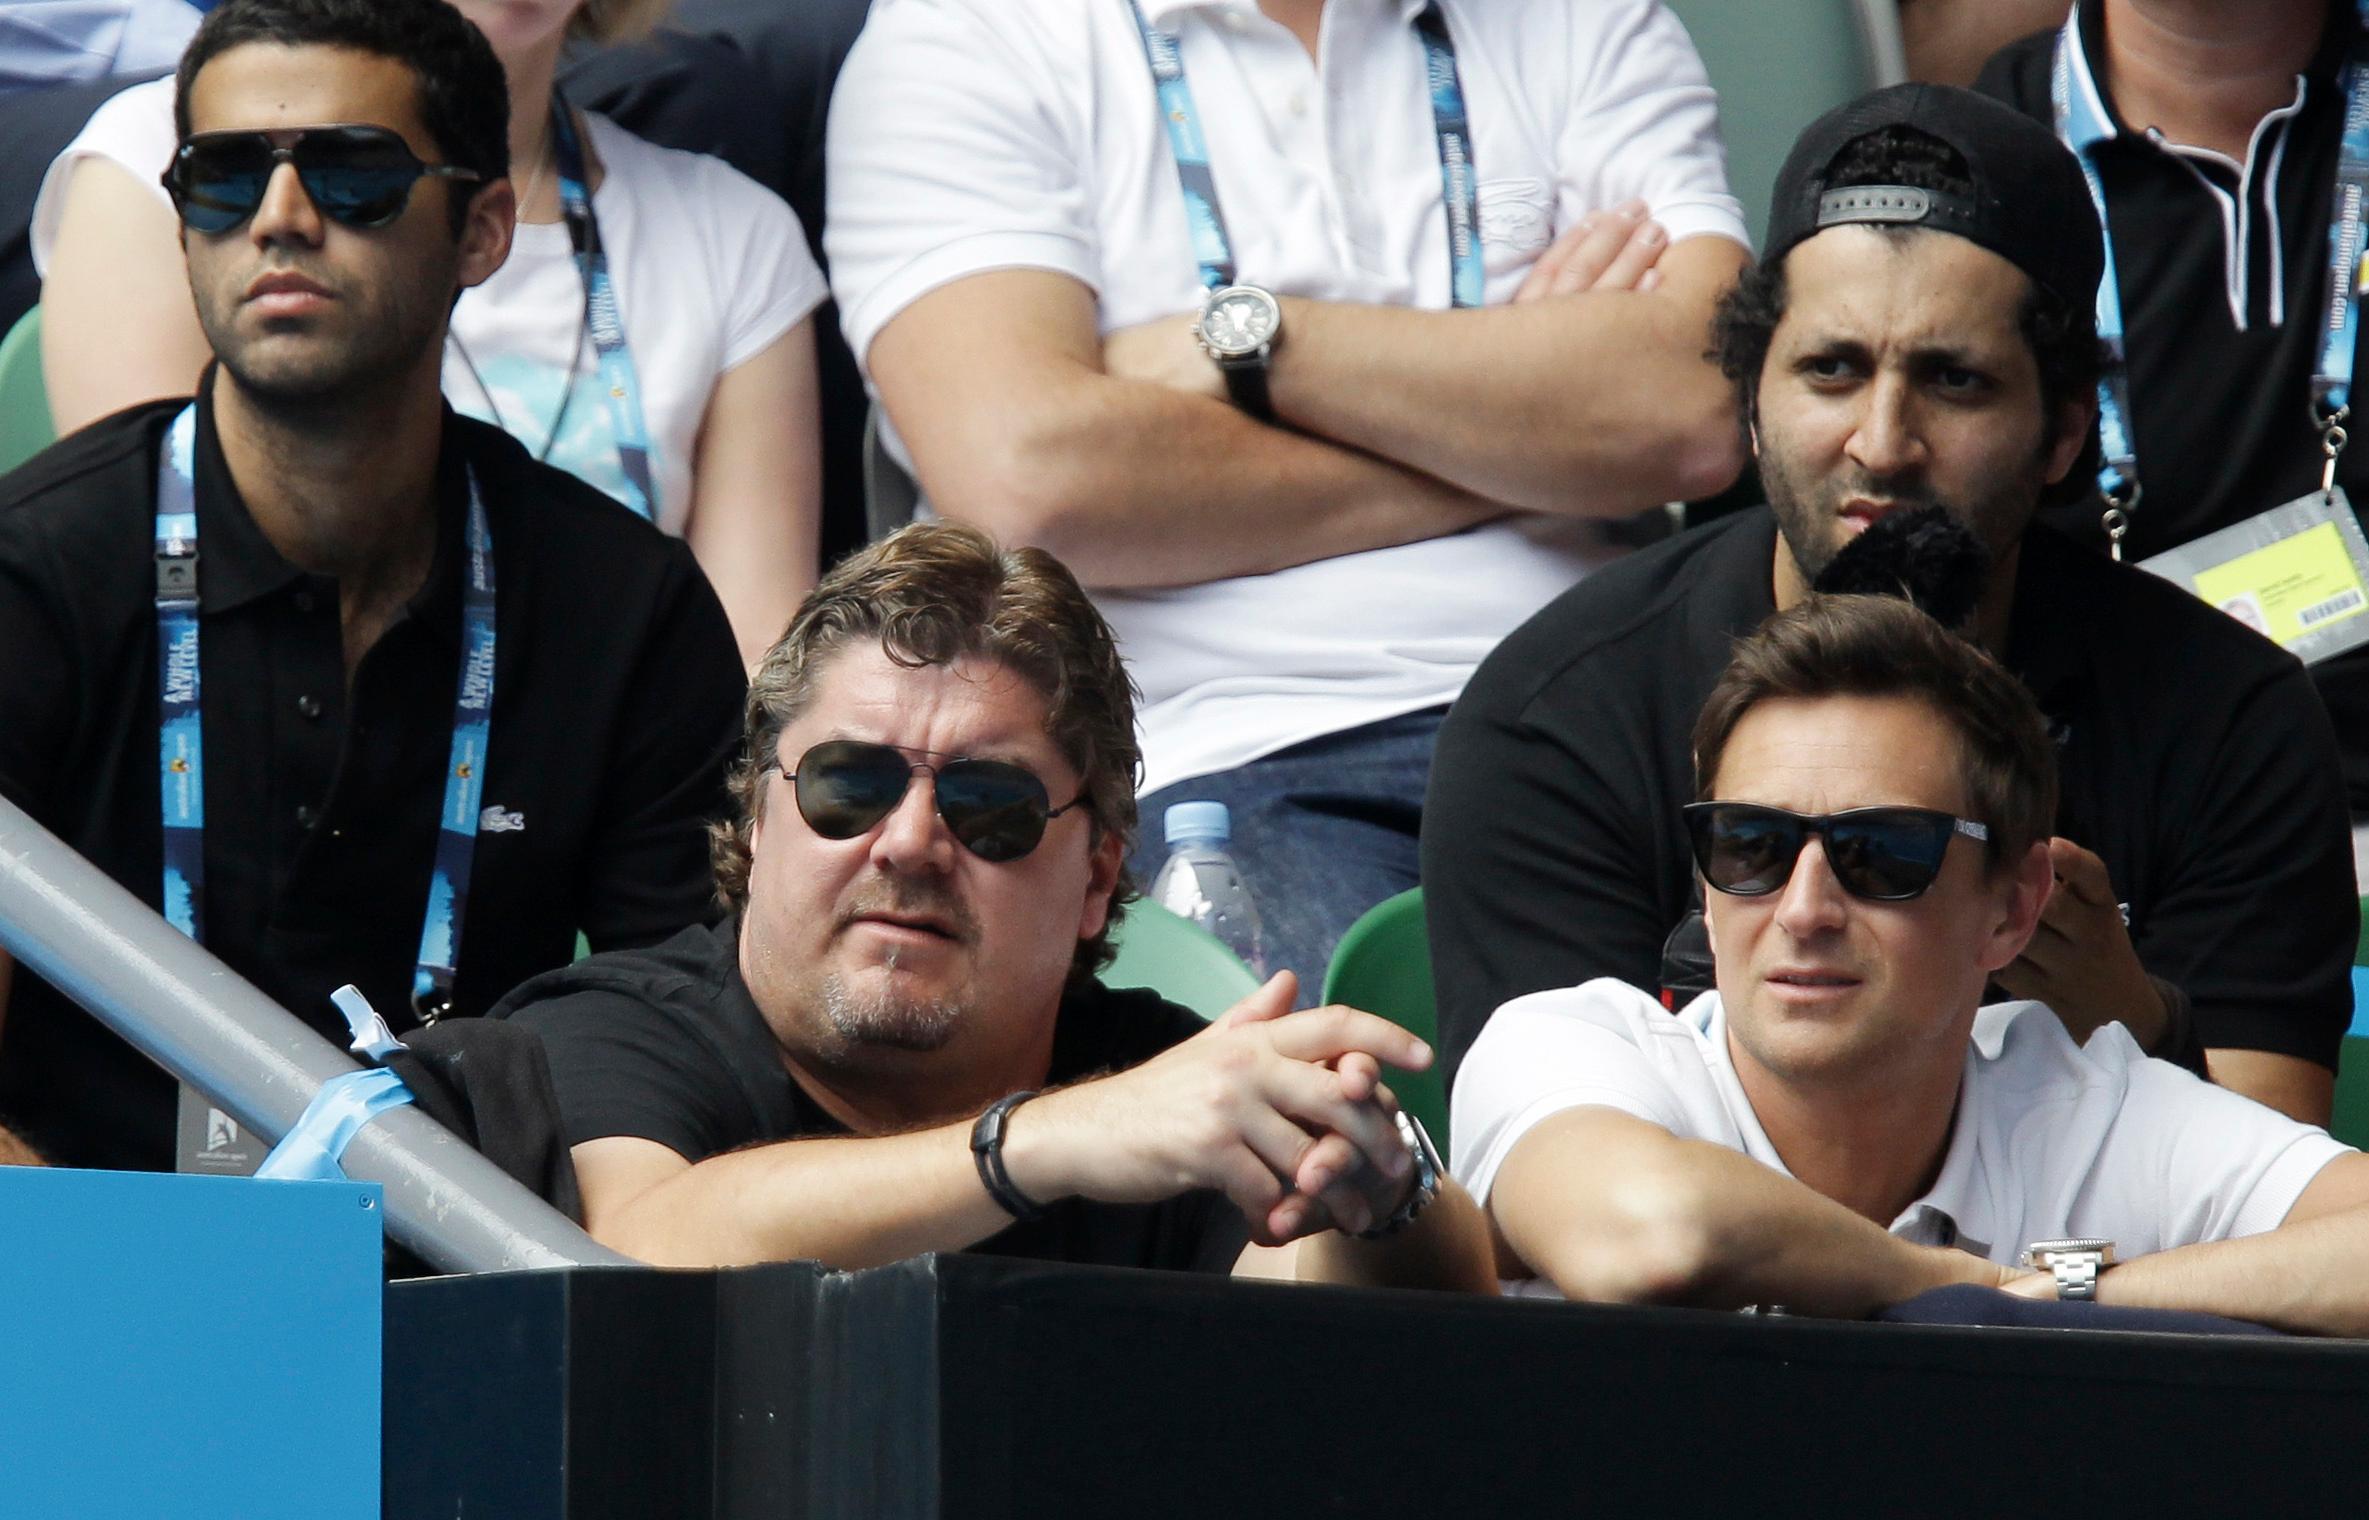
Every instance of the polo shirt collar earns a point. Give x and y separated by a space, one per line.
1163 12
2340 37
238 565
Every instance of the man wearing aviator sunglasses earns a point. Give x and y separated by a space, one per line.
304 659
899 1042
1841 1126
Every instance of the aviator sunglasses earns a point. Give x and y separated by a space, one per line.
1884 854
359 176
996 809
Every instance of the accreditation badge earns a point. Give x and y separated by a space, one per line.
211 1141
2297 574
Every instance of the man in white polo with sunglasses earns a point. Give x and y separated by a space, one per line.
1840 1126
898 1042
349 688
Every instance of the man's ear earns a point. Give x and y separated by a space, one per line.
1102 879
2076 419
2023 894
485 231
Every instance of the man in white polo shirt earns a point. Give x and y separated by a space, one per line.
1297 439
1838 1127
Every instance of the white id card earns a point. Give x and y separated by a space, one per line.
2297 574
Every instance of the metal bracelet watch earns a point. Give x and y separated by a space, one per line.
1428 1171
2074 1263
1239 327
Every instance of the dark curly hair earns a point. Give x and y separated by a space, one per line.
2063 338
464 97
930 594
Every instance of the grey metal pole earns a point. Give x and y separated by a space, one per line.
71 924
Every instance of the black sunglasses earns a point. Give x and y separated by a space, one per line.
1886 854
998 810
359 176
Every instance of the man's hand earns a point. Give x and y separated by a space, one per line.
1164 352
1283 1112
2080 961
1608 250
2034 1285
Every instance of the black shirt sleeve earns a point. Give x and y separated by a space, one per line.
648 872
621 1065
1539 860
40 672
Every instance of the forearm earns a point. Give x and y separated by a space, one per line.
1612 1209
1596 404
996 383
2303 1278
847 1203
1447 1246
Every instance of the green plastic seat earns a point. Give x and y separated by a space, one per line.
1383 965
25 428
1181 961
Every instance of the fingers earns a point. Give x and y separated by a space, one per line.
1271 1000
2082 872
1324 1035
1310 1097
1361 1076
1636 256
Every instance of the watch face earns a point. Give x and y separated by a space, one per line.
1239 321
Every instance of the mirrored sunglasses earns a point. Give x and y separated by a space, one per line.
359 176
997 810
1884 854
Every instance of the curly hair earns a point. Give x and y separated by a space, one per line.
2063 338
464 99
930 594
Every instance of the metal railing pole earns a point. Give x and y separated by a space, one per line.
69 923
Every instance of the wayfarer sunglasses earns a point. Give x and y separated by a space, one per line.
1885 854
997 810
359 176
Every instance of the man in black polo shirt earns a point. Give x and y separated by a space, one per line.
315 538
2215 133
1918 333
899 1043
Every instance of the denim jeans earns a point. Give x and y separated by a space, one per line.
1322 831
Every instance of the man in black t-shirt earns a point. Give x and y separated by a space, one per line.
2218 133
1919 332
899 1045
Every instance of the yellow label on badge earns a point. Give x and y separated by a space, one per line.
2297 586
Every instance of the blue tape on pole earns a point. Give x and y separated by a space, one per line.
312 1150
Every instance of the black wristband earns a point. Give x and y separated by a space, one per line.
987 1150
2179 1042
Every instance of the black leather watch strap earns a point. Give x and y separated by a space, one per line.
1246 383
987 1151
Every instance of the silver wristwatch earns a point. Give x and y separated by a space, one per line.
1238 327
1428 1171
2075 1264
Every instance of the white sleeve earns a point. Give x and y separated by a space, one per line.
952 149
1547 1052
758 259
1644 123
134 131
2228 1166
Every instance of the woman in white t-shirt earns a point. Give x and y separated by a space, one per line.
710 270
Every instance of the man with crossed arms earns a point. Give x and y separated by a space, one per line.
1840 1126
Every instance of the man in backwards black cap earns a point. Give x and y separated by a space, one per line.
1919 333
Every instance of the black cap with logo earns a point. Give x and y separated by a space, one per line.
2030 205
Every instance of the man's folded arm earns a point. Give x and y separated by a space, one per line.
1596 404
996 384
2305 1276
1612 1208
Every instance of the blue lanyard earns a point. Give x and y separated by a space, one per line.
1206 219
620 386
2082 124
181 735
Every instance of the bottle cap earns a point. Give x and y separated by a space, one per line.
1198 822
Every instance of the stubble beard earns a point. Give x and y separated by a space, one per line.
1810 522
884 1020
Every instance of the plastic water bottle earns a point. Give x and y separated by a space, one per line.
1202 885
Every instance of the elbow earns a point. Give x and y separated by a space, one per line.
1025 488
1649 1243
1708 461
